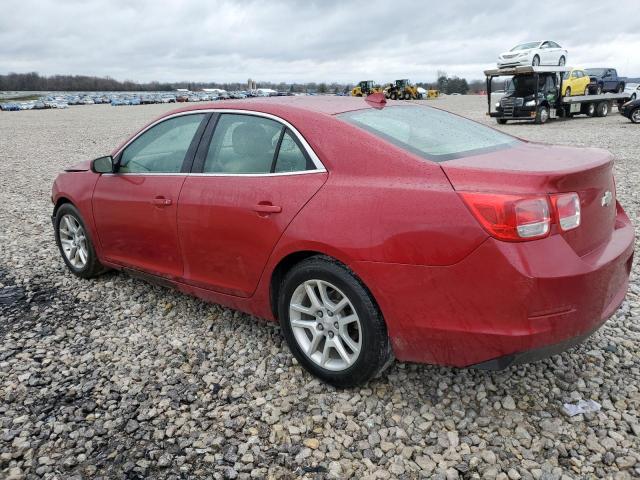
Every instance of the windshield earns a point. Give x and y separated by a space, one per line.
596 72
525 46
430 133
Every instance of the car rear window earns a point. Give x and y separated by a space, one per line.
430 133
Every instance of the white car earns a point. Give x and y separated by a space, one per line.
633 89
543 52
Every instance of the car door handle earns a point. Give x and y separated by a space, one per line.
162 201
267 208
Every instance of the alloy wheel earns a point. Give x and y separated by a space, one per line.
325 325
635 116
74 241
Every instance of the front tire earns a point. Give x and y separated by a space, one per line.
635 115
567 92
562 61
599 89
74 243
332 324
542 115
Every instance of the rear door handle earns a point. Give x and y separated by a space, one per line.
162 201
267 208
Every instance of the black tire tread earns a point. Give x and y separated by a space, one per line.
372 362
93 268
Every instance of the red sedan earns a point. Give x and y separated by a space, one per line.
368 230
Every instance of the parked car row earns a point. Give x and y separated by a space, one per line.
135 98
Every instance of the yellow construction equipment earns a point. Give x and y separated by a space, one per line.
401 90
432 93
366 87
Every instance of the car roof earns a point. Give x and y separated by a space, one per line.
326 104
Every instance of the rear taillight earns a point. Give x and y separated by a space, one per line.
510 217
567 207
516 218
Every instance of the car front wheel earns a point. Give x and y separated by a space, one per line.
74 243
332 324
635 115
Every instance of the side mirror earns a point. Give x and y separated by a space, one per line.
102 165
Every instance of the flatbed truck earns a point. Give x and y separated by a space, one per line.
534 93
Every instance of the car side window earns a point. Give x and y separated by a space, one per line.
162 148
242 144
291 157
545 45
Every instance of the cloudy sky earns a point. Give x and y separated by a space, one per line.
344 41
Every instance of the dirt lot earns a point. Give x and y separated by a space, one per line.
115 378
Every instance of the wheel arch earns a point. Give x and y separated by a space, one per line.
290 260
61 201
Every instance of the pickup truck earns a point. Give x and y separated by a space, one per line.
604 80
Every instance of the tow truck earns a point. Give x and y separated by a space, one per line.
533 93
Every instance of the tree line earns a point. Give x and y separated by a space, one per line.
33 81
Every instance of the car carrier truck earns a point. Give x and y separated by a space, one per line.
534 93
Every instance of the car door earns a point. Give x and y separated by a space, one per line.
583 82
610 81
545 53
252 175
135 207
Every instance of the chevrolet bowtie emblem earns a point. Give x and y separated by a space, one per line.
605 201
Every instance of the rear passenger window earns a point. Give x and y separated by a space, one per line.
291 158
243 144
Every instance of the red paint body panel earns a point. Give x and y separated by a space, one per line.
502 299
133 230
450 294
225 242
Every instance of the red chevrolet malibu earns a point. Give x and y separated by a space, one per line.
369 230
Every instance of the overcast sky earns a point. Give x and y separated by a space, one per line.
299 41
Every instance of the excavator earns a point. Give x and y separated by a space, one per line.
366 87
401 90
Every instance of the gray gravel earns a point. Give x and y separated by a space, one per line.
115 378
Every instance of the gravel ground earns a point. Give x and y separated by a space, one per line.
116 378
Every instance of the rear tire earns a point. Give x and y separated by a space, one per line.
536 61
74 243
394 96
635 115
341 354
599 89
590 110
567 92
602 109
621 88
407 96
586 91
562 61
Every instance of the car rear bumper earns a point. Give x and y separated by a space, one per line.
503 300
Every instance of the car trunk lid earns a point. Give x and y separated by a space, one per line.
537 169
